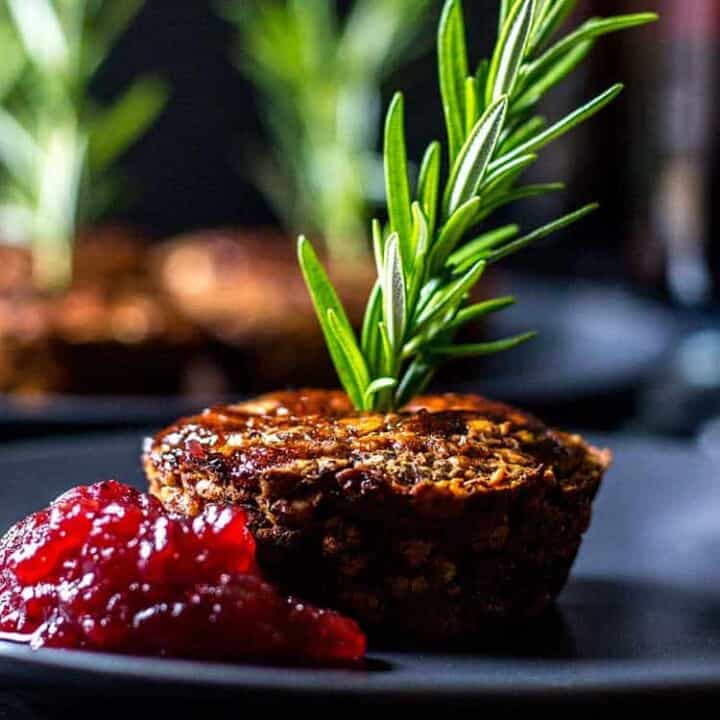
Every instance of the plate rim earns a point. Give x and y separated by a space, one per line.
501 679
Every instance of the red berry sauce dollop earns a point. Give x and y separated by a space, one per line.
107 568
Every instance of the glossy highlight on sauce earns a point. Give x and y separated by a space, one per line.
106 568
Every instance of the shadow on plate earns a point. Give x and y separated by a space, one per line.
598 619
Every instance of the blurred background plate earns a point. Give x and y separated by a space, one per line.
642 609
592 340
22 417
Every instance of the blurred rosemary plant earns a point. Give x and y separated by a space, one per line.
58 146
430 253
319 78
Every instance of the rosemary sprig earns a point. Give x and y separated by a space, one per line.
59 146
318 73
428 255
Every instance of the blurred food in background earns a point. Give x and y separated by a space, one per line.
317 76
79 309
244 291
88 308
109 331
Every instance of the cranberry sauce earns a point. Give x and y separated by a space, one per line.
107 568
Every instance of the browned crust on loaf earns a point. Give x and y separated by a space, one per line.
428 522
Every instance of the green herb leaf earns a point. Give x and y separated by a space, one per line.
336 332
421 235
590 30
429 184
472 104
428 291
473 312
553 16
480 349
396 174
505 6
518 193
110 21
322 290
483 243
394 292
453 231
388 351
370 342
14 61
555 74
521 133
481 78
453 67
376 386
449 298
505 174
378 246
542 232
563 126
541 10
415 380
421 243
348 359
509 51
472 161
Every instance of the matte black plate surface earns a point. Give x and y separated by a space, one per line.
592 339
641 612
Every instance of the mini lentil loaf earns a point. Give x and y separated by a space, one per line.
435 523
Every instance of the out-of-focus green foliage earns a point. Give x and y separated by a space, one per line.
319 78
58 146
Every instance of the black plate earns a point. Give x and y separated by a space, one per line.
593 339
642 610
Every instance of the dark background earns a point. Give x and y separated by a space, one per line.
190 166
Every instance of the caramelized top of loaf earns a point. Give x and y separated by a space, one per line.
459 445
